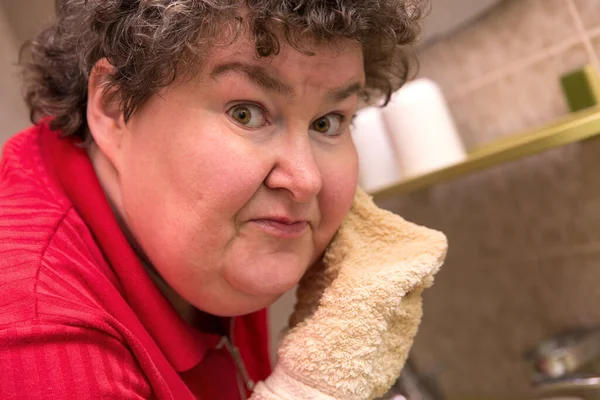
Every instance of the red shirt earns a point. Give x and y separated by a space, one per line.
80 318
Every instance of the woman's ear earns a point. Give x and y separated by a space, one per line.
104 115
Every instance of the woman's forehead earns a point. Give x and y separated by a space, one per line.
329 64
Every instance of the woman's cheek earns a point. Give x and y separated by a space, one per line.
335 200
340 180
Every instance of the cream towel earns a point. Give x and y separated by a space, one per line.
358 311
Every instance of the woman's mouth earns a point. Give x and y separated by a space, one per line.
281 227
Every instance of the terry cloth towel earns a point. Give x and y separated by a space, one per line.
358 311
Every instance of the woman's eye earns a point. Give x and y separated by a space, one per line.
248 115
328 125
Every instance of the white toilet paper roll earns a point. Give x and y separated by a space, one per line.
421 127
377 160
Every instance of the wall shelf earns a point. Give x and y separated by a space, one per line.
575 127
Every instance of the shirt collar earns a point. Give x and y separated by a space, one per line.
183 345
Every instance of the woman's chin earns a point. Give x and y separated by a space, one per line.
239 304
267 279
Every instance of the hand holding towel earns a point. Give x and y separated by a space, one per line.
358 310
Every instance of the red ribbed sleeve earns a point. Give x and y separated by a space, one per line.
44 361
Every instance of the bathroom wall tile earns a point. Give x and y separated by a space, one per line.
596 46
476 213
524 237
464 206
567 287
278 317
465 334
589 223
467 205
420 208
439 62
523 265
480 322
522 100
13 112
28 16
589 10
553 193
509 32
536 207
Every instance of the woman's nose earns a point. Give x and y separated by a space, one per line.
296 170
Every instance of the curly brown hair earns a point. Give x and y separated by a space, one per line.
152 43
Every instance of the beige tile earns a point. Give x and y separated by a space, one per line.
482 317
524 237
29 16
596 46
568 288
589 10
13 112
419 208
522 266
278 317
556 197
481 204
479 320
439 63
523 100
589 222
509 32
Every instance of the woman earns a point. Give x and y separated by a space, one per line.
190 160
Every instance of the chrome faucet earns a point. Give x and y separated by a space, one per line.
568 365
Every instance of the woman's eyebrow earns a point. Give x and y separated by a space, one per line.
261 77
257 75
339 95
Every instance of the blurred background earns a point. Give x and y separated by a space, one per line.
19 21
524 259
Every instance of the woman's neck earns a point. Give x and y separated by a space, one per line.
109 181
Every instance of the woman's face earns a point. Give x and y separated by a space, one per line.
234 183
